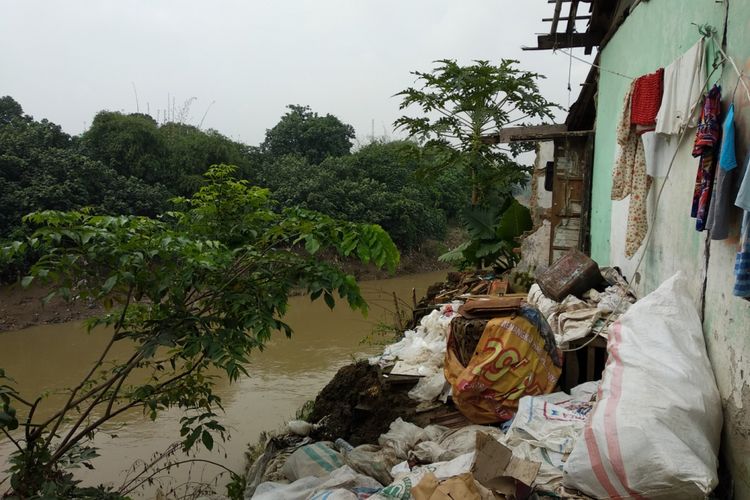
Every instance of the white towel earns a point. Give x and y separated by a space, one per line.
684 83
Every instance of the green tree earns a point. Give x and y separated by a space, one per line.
194 291
189 151
375 184
303 132
41 168
462 104
129 144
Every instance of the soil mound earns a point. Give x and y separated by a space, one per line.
358 406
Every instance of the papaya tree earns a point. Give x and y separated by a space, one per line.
460 106
192 292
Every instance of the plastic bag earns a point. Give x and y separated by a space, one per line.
344 482
422 352
401 437
514 357
372 461
317 459
553 422
429 388
655 429
464 440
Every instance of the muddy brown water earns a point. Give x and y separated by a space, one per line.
288 373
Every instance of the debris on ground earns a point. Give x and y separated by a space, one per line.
467 403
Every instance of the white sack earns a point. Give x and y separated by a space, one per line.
553 421
316 459
655 429
340 481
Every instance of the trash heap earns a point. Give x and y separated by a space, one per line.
467 404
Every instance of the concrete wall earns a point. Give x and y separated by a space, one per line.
651 37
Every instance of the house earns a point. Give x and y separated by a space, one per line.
634 38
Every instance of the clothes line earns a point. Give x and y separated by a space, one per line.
570 54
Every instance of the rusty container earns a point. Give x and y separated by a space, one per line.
572 274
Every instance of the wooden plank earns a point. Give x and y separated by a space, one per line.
535 132
556 16
571 18
565 41
532 133
578 18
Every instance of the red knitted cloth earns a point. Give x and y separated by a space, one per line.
647 93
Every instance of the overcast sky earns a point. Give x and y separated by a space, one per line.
66 60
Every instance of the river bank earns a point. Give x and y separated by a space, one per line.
287 374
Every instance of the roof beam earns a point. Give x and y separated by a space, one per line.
565 40
577 18
530 133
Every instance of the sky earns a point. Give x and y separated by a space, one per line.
244 61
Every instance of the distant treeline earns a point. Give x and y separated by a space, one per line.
130 164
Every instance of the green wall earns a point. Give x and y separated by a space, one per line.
651 37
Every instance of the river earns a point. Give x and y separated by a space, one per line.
282 378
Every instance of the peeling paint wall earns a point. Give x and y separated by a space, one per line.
653 35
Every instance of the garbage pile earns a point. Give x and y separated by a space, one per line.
467 405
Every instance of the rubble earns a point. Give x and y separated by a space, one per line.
399 426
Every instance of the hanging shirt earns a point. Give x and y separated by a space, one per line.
721 207
684 81
728 157
629 178
742 260
743 195
724 191
646 100
707 138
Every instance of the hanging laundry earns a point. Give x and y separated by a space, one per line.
720 208
646 100
659 150
684 81
743 195
742 261
629 178
728 156
707 138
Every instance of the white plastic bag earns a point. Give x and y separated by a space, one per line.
372 461
401 437
655 429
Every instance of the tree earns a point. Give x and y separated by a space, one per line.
192 292
129 144
460 105
303 132
375 184
189 151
